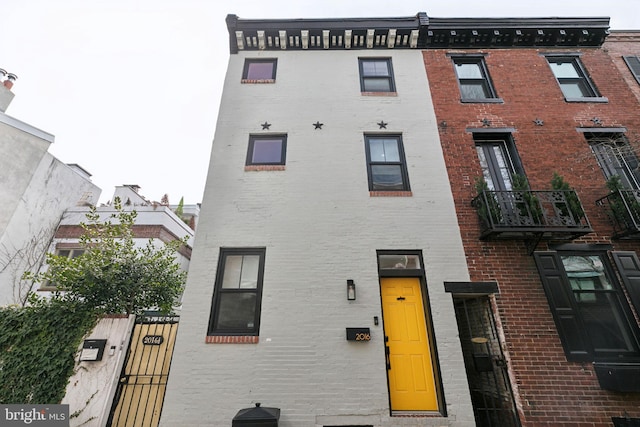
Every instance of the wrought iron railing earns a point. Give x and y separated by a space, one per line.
517 213
624 211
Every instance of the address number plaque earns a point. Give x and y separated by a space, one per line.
358 334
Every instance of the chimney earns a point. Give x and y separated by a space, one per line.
6 96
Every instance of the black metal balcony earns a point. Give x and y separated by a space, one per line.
624 211
554 214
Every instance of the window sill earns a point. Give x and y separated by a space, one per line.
232 339
258 168
265 81
482 101
390 194
379 93
598 99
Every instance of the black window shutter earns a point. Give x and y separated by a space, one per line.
629 269
558 291
633 62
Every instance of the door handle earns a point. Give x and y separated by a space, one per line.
400 298
387 353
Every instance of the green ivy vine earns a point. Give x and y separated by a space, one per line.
38 348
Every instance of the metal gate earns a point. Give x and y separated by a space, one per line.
140 393
491 395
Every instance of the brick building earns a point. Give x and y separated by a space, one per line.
544 98
356 205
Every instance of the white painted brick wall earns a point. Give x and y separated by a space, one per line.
320 227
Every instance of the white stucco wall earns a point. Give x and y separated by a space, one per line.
21 152
36 188
320 227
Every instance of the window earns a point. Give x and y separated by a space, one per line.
474 81
262 70
70 253
267 150
65 250
633 62
386 164
238 292
498 159
376 75
591 312
572 78
616 157
399 261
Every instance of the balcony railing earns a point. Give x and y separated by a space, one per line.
624 211
554 214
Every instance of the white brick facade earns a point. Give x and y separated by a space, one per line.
320 227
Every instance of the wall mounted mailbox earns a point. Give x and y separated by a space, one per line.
92 350
358 334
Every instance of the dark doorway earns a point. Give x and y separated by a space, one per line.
491 396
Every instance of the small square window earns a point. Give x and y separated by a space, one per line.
376 75
473 79
259 70
237 292
573 79
386 164
267 150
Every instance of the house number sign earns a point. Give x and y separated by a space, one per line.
152 339
358 334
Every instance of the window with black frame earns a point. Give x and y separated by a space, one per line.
376 75
592 314
259 70
573 79
267 150
633 62
616 157
238 292
386 164
473 79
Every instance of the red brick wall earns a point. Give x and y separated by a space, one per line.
623 43
549 390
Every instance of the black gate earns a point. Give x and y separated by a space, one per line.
140 393
491 396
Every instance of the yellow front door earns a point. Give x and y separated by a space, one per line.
412 384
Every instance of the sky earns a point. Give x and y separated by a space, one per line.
131 88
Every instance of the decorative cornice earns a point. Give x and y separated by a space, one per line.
417 32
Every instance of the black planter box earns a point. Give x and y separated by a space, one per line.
624 377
